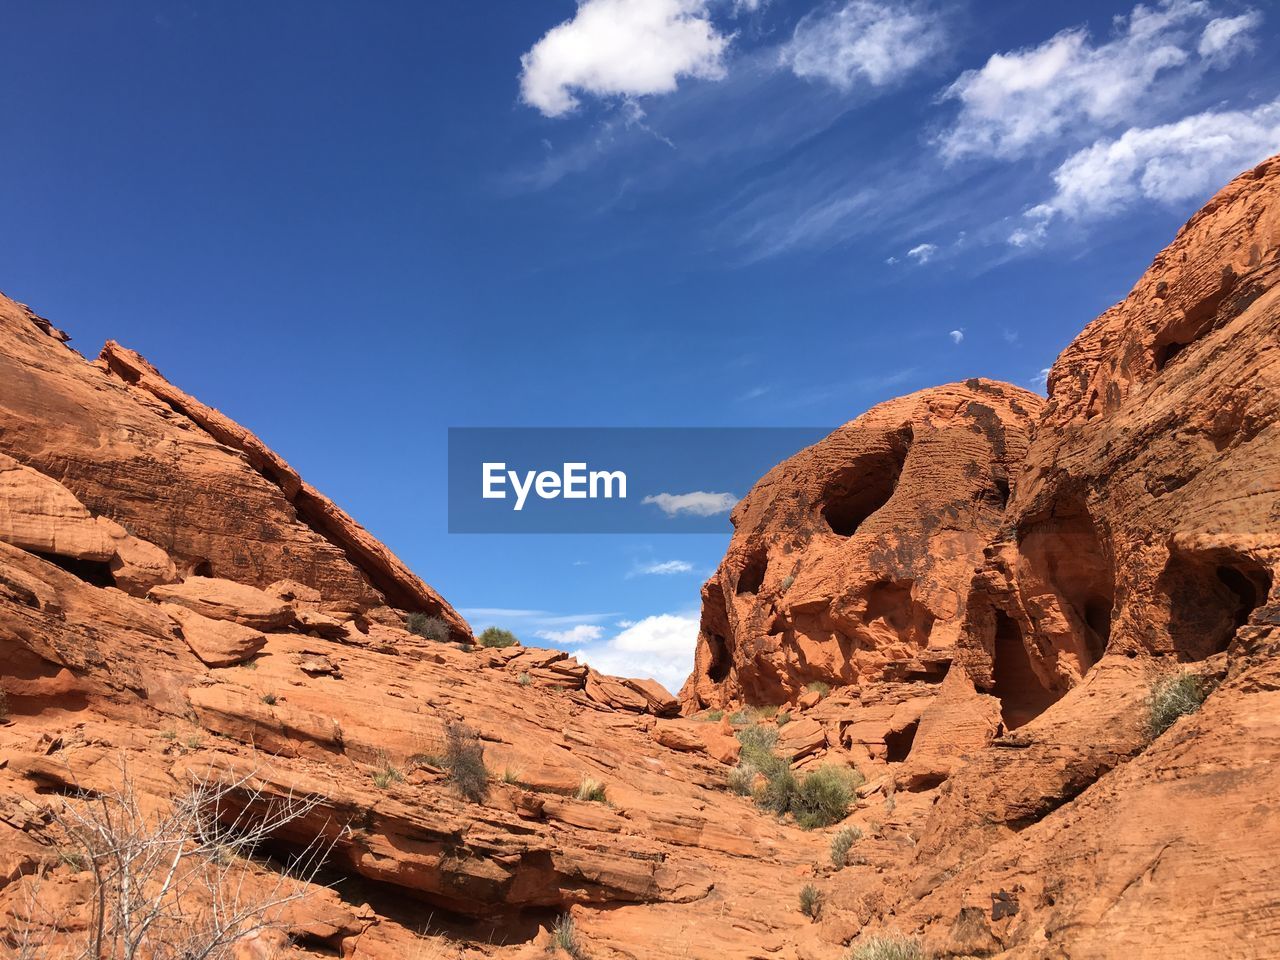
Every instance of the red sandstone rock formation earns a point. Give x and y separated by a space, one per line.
986 585
851 561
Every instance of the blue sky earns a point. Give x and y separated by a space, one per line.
352 226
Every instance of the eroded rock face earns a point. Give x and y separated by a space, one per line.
135 450
1144 522
851 561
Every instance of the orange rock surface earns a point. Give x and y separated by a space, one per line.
964 593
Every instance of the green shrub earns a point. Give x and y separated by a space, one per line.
714 716
1171 696
841 844
430 628
565 936
498 638
810 901
756 740
463 762
779 792
783 718
590 789
892 946
820 688
823 797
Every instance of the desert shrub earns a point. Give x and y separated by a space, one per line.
841 844
590 789
742 778
524 679
810 901
779 792
269 699
787 581
783 718
820 688
757 739
430 628
463 762
564 935
511 776
823 797
1171 696
498 638
892 946
714 716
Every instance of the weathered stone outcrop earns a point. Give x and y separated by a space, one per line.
851 561
135 450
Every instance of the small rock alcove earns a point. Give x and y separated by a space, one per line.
858 490
1210 599
1022 694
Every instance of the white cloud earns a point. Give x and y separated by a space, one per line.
923 253
660 647
1041 380
957 336
1226 38
665 568
861 41
1070 85
700 503
1171 163
582 633
621 48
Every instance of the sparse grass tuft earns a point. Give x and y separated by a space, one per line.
892 946
820 688
811 901
193 742
269 699
783 718
564 935
497 638
429 628
511 776
590 789
1171 696
463 761
525 679
386 773
841 844
714 716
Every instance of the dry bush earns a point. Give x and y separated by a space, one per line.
175 884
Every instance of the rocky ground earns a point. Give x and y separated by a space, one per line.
964 594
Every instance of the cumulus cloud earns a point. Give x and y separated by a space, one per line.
621 48
700 503
660 647
862 41
1226 38
1171 163
923 253
665 568
957 337
1070 84
582 633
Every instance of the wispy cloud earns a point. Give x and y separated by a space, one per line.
582 633
1070 85
663 568
699 503
957 336
862 42
923 252
1171 163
